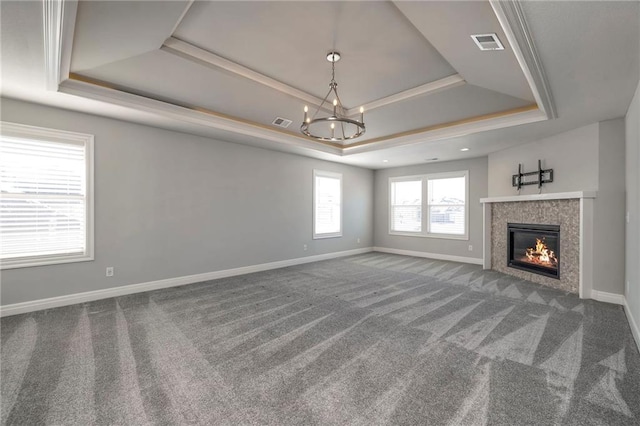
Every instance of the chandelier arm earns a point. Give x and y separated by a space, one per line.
321 104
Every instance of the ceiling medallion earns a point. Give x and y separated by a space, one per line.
336 127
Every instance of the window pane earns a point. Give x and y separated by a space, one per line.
406 206
447 191
407 193
447 220
447 205
327 205
406 218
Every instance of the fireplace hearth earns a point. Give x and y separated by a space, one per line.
534 248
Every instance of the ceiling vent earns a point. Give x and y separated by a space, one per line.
488 41
281 122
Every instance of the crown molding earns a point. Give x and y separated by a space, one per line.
512 20
200 117
454 129
193 53
87 88
428 88
182 15
59 20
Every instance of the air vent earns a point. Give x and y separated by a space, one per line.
488 41
281 122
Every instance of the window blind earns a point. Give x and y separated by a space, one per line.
43 198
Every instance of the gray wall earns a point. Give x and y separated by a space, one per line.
169 204
589 158
573 155
477 189
633 207
609 214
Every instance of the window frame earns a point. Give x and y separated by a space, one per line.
426 211
58 136
414 178
333 175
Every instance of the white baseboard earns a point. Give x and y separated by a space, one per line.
633 323
436 256
72 299
603 296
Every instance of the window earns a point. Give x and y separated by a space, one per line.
430 205
46 207
327 204
406 206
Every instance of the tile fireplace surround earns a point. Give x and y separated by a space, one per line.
573 211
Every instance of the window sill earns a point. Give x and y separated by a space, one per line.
27 263
437 236
325 236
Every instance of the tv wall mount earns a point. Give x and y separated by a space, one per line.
532 178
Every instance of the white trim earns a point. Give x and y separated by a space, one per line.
540 197
445 83
513 23
59 19
585 284
186 115
633 324
436 256
603 296
447 132
331 175
71 299
486 236
182 15
193 53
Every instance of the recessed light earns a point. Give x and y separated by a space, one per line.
464 149
385 161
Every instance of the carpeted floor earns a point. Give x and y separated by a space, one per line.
368 339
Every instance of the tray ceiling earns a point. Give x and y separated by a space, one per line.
250 62
225 70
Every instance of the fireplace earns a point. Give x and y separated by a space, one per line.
534 248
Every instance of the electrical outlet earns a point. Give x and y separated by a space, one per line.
304 247
109 271
470 247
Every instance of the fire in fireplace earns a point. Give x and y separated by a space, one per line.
534 248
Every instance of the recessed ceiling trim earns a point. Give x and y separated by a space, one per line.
196 54
87 88
59 18
428 88
184 13
453 129
514 24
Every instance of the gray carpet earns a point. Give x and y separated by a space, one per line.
368 339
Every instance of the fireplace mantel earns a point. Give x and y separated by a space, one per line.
540 197
587 200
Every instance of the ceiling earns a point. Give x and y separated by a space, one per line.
226 70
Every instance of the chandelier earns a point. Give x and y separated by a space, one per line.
337 126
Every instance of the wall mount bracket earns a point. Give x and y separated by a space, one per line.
541 176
